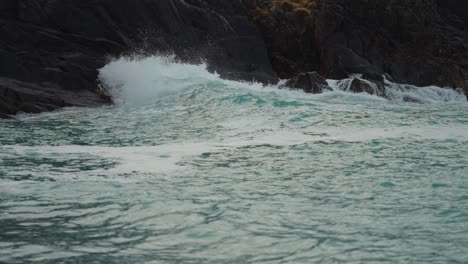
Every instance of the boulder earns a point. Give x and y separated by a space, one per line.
358 85
309 82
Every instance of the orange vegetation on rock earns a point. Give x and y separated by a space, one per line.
264 7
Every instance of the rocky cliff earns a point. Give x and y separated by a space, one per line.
414 41
50 50
421 42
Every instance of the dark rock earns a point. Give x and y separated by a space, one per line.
61 44
289 36
340 62
409 99
310 82
49 107
420 42
375 77
5 116
365 86
456 11
416 42
31 108
6 107
16 96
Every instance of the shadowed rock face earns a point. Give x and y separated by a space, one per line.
59 45
421 42
456 11
413 41
289 36
309 82
53 46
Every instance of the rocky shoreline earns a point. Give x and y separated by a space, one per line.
50 51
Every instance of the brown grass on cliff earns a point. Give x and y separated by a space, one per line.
265 7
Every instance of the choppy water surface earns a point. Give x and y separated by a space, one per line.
193 169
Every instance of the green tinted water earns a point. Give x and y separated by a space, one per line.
219 174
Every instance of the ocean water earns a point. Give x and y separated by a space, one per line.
190 168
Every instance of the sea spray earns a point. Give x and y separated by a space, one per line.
136 80
404 92
200 169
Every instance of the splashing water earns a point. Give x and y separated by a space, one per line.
191 168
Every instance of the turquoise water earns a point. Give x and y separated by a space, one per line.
223 172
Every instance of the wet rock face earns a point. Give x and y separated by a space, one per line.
455 10
289 36
61 44
17 96
358 85
420 42
415 42
310 82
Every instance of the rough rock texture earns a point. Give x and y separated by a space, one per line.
421 42
406 39
310 82
364 86
50 45
50 50
289 36
16 96
413 41
456 11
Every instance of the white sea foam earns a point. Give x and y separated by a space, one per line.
135 80
138 159
405 92
429 94
138 80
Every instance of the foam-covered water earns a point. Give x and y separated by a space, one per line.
190 168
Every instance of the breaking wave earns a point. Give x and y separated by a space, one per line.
137 80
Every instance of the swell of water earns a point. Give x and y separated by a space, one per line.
135 80
190 168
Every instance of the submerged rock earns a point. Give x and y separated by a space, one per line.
309 82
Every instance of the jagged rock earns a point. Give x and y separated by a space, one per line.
365 86
358 36
5 116
289 36
420 42
6 107
61 44
31 108
309 82
17 96
378 80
